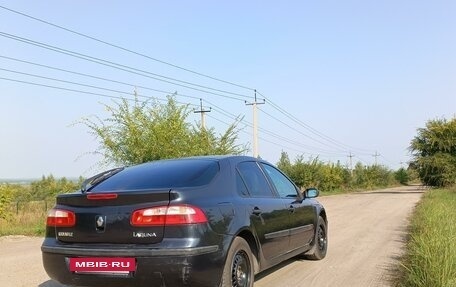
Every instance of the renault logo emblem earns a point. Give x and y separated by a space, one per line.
100 222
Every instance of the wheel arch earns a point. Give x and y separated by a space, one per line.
322 213
248 236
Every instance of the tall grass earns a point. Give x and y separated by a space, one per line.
431 250
26 218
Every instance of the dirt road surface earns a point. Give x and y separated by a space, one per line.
366 238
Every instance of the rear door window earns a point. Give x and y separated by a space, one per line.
254 179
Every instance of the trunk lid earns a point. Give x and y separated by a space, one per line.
104 217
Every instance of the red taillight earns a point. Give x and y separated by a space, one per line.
61 218
168 215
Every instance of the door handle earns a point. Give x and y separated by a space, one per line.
256 211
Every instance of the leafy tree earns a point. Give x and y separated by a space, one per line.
284 163
147 131
434 152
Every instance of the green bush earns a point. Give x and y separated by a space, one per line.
402 176
434 152
331 177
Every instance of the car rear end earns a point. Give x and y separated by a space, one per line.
139 227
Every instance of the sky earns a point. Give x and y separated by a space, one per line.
338 77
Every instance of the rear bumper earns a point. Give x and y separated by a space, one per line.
142 252
196 266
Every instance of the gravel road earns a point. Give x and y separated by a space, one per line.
366 237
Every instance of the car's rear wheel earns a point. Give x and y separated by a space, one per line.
238 270
320 247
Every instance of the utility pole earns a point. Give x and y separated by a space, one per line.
255 123
351 162
202 112
376 155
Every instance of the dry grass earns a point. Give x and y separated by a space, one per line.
25 218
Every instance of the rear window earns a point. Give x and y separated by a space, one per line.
162 174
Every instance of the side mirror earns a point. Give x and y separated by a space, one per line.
311 192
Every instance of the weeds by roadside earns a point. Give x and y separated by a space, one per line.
27 218
430 258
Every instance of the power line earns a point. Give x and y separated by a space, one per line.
122 67
167 92
220 110
275 135
65 81
287 125
275 143
104 79
124 49
139 95
89 93
311 129
88 86
85 85
60 88
96 77
386 159
299 122
263 139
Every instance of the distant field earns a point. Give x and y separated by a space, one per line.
23 181
27 181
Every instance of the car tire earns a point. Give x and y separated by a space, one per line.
239 265
320 247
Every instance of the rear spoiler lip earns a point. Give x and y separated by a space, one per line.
116 198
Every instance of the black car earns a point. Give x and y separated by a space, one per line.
201 221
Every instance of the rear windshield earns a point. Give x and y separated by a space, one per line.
162 174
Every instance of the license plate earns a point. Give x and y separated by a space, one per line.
102 265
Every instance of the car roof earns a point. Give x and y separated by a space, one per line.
216 157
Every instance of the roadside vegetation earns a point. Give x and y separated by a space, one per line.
434 152
431 250
430 258
332 178
23 207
